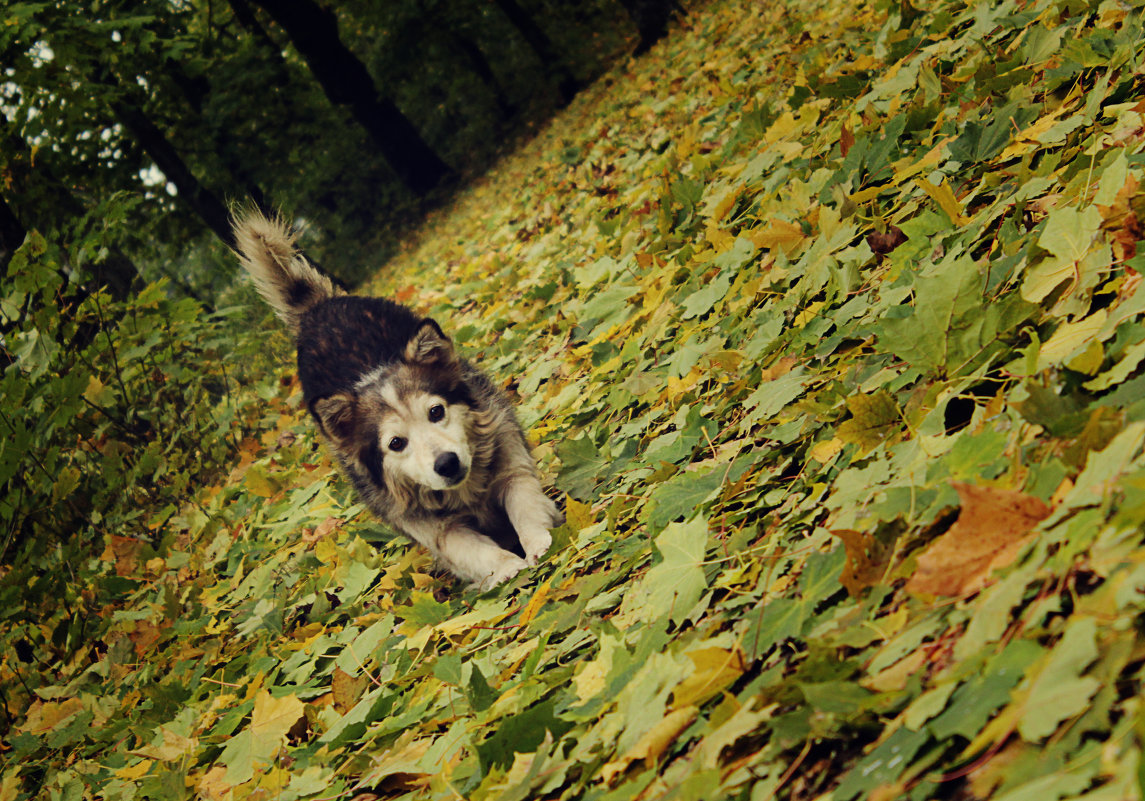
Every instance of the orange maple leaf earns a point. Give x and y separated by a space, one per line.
990 531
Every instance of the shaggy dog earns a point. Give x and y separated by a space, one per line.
430 444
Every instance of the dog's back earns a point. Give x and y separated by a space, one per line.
340 338
344 338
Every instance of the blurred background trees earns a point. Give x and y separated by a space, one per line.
150 117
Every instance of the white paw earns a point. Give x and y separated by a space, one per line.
535 543
507 566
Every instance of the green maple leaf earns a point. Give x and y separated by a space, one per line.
976 701
1059 691
677 582
941 323
777 620
683 495
1068 235
582 466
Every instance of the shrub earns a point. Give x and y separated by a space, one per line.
111 411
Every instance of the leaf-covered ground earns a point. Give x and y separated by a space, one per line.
826 319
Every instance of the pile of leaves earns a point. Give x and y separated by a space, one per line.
827 324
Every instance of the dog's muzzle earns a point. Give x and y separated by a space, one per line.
449 467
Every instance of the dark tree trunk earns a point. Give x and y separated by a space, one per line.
481 68
12 233
117 272
542 45
195 92
344 78
651 18
200 199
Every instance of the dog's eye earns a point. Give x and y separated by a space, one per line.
397 444
436 413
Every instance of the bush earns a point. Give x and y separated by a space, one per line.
111 411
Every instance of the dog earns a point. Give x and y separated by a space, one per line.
430 444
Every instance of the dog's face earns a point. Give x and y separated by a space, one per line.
408 423
423 437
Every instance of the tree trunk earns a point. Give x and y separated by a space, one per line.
344 78
12 233
651 18
195 92
201 200
481 68
542 45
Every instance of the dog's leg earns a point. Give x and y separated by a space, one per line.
464 552
476 558
532 513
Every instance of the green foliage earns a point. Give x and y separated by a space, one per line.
113 412
851 513
112 409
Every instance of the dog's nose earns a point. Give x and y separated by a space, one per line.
448 466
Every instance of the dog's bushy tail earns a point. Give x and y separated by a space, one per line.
282 275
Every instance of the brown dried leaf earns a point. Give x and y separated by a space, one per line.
846 141
990 531
781 368
347 689
322 530
1122 220
866 560
124 551
884 243
144 636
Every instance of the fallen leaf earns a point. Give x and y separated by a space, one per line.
144 636
846 140
990 531
885 242
347 689
676 583
535 603
653 743
895 677
45 716
322 530
136 771
213 784
875 418
778 234
715 668
124 551
943 195
866 560
1058 690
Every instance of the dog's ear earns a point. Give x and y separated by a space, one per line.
336 415
429 346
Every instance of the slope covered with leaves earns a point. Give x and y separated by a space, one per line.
827 321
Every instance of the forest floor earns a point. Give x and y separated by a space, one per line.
827 327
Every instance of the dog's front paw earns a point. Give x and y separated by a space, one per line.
535 543
506 567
